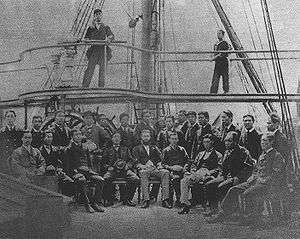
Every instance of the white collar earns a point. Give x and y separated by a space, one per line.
250 130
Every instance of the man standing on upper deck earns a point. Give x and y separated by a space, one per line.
221 65
96 53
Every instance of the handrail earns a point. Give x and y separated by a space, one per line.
120 44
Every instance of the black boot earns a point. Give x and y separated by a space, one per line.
166 204
97 208
89 209
146 204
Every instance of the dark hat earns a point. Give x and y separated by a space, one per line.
274 117
123 115
191 113
228 113
97 10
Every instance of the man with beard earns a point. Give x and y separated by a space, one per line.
119 164
268 174
77 167
174 159
237 166
148 161
250 138
10 139
36 131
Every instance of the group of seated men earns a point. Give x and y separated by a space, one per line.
225 166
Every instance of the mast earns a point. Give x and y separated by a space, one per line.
146 80
237 45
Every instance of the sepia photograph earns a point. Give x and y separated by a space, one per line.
150 119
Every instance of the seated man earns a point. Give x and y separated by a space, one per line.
269 174
204 168
237 166
148 162
26 161
174 159
53 161
118 163
76 167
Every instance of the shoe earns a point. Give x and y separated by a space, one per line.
97 208
220 217
108 203
89 209
129 203
165 204
185 210
146 204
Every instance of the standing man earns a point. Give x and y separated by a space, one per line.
250 138
97 134
191 133
96 53
10 139
61 133
148 162
26 161
146 123
183 122
221 64
36 131
126 132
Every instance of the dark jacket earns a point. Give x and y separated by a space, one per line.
212 162
37 138
127 136
9 141
111 157
175 156
271 168
237 162
251 141
98 34
189 138
142 126
198 140
282 145
61 136
163 141
74 157
219 140
53 157
96 134
140 155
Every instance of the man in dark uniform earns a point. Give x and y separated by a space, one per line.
118 162
61 133
191 133
163 135
205 167
148 161
76 166
174 158
237 166
226 127
183 122
221 64
145 124
36 131
205 128
268 174
10 139
96 53
126 132
250 138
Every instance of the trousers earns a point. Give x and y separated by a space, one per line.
162 174
221 69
